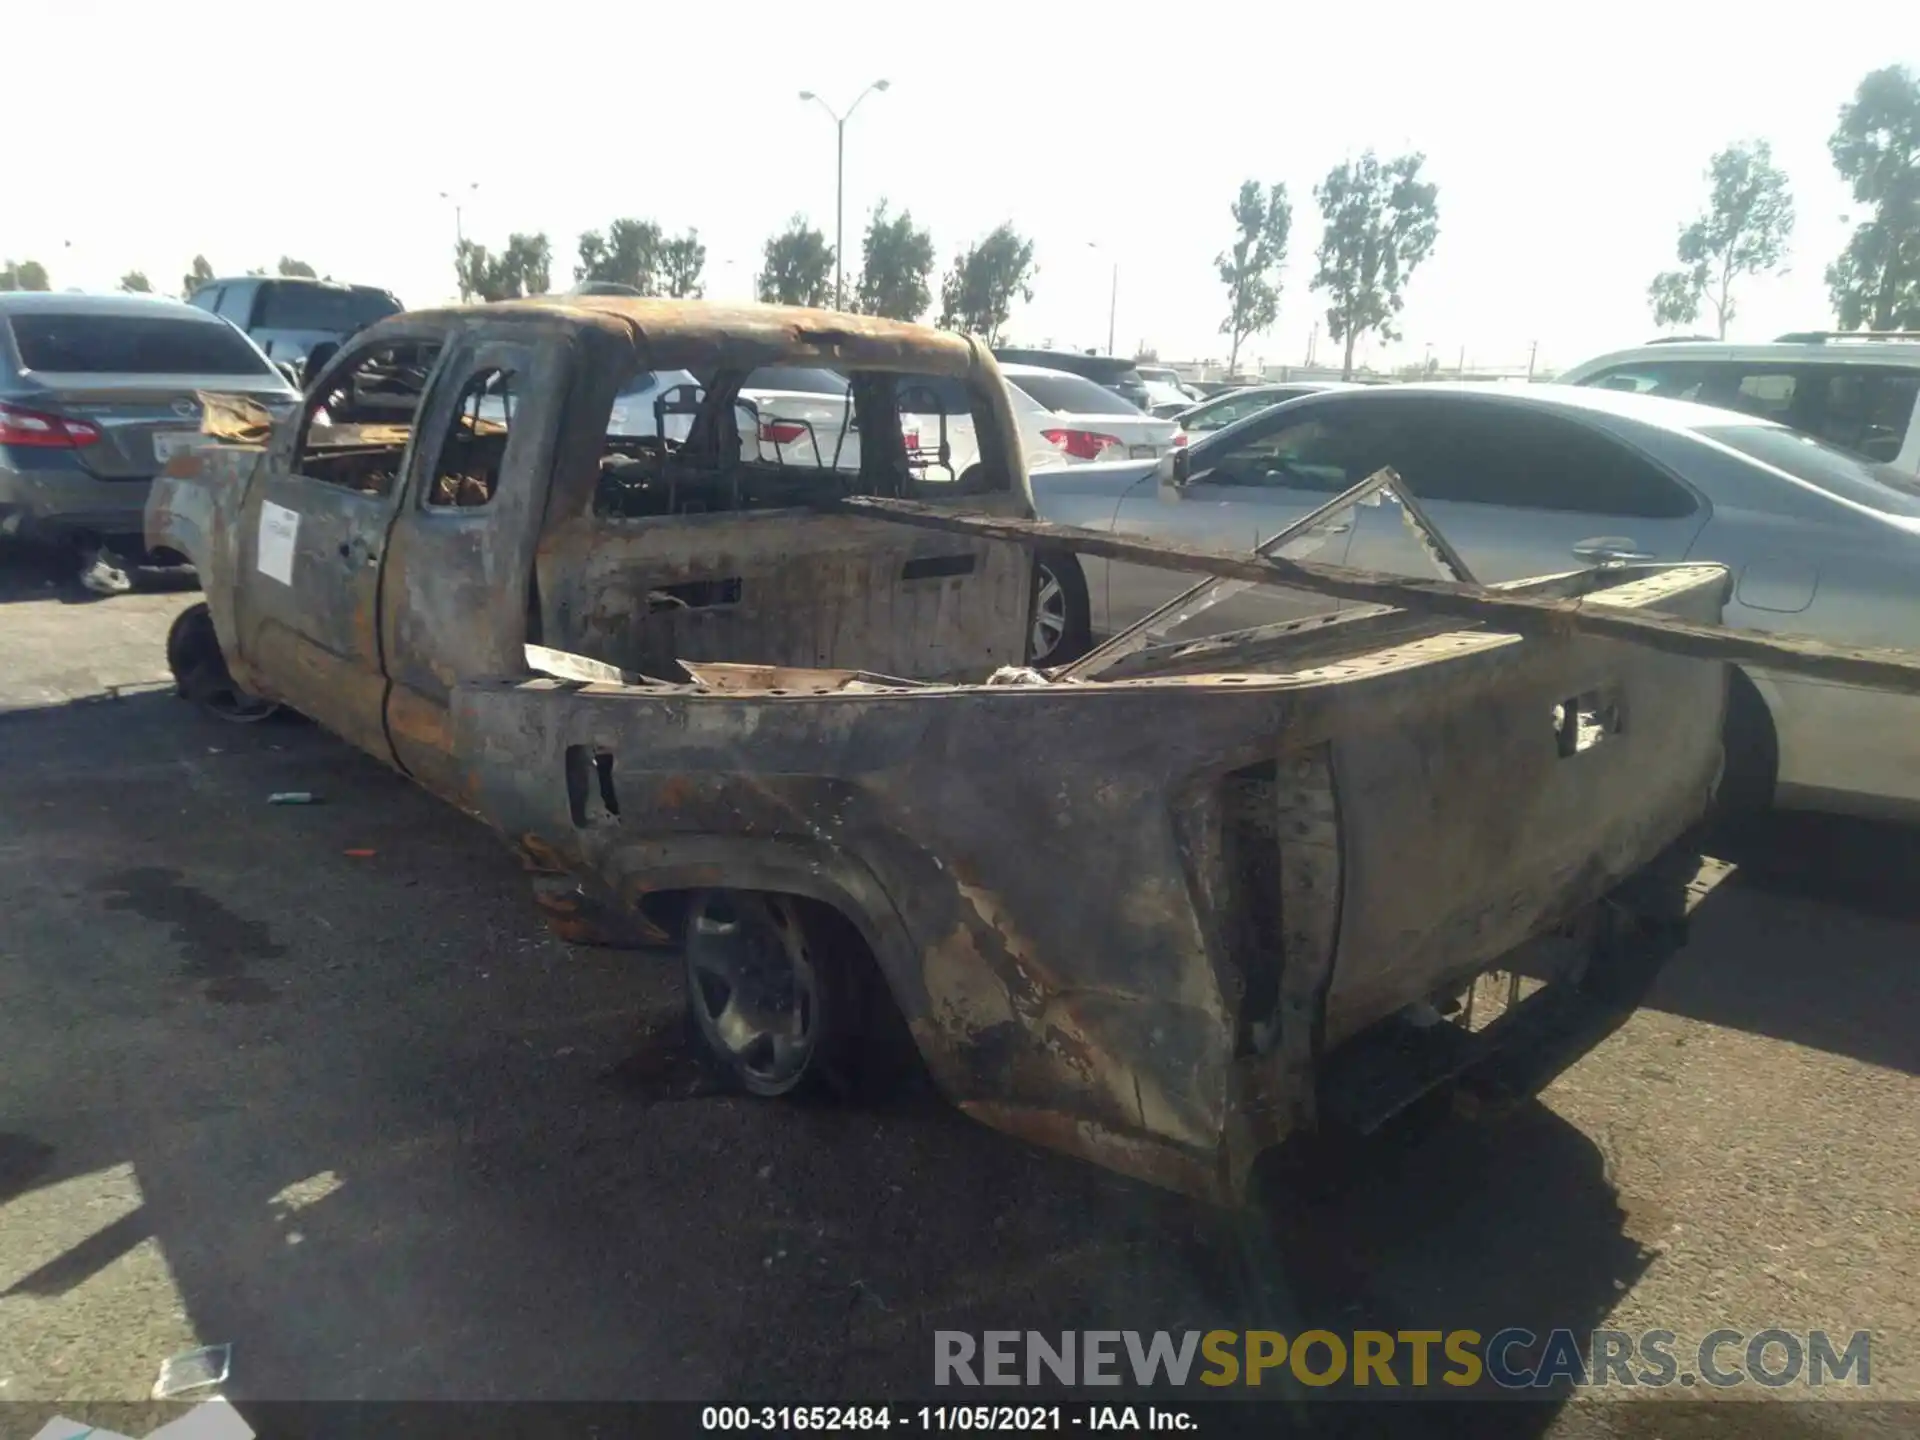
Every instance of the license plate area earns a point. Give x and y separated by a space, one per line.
1142 452
169 443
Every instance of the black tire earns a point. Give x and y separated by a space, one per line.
1752 752
758 959
1060 626
200 671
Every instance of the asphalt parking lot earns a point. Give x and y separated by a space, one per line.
362 1116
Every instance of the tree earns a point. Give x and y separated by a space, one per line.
1381 222
796 266
1744 231
529 258
522 268
682 259
134 282
1251 269
896 261
199 275
23 275
629 254
297 268
1876 149
978 292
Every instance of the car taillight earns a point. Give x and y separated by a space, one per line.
912 439
1080 444
1179 438
48 432
781 432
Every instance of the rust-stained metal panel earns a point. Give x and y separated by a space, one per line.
1037 880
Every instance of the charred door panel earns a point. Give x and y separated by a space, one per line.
306 588
454 595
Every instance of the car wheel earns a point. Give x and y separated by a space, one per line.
1061 629
1752 754
200 671
771 998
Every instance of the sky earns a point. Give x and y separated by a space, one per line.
1568 146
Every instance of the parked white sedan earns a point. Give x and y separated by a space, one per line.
799 418
1540 479
1083 422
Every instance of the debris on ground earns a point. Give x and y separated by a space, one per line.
104 573
193 1370
293 797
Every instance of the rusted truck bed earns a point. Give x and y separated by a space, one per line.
1153 921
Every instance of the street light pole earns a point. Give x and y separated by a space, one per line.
459 231
840 184
1113 295
1113 304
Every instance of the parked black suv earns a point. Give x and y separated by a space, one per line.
299 323
1111 371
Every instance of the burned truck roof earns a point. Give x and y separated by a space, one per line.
700 334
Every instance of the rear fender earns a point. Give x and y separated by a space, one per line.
194 509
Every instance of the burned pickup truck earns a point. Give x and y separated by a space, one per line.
1163 909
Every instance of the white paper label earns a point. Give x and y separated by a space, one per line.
279 529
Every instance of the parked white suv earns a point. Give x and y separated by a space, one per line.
1856 390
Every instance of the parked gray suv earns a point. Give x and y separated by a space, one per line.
299 323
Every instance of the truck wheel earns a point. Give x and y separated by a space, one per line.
200 670
785 998
1061 625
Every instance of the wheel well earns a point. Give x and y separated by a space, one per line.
191 641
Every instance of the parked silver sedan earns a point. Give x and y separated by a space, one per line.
1542 479
1231 406
96 391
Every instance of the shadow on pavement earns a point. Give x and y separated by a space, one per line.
440 1154
1839 979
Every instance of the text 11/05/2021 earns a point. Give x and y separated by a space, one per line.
779 1419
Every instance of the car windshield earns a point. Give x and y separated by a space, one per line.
334 309
1878 487
97 344
797 379
1071 395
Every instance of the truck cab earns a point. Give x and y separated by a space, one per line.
451 491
